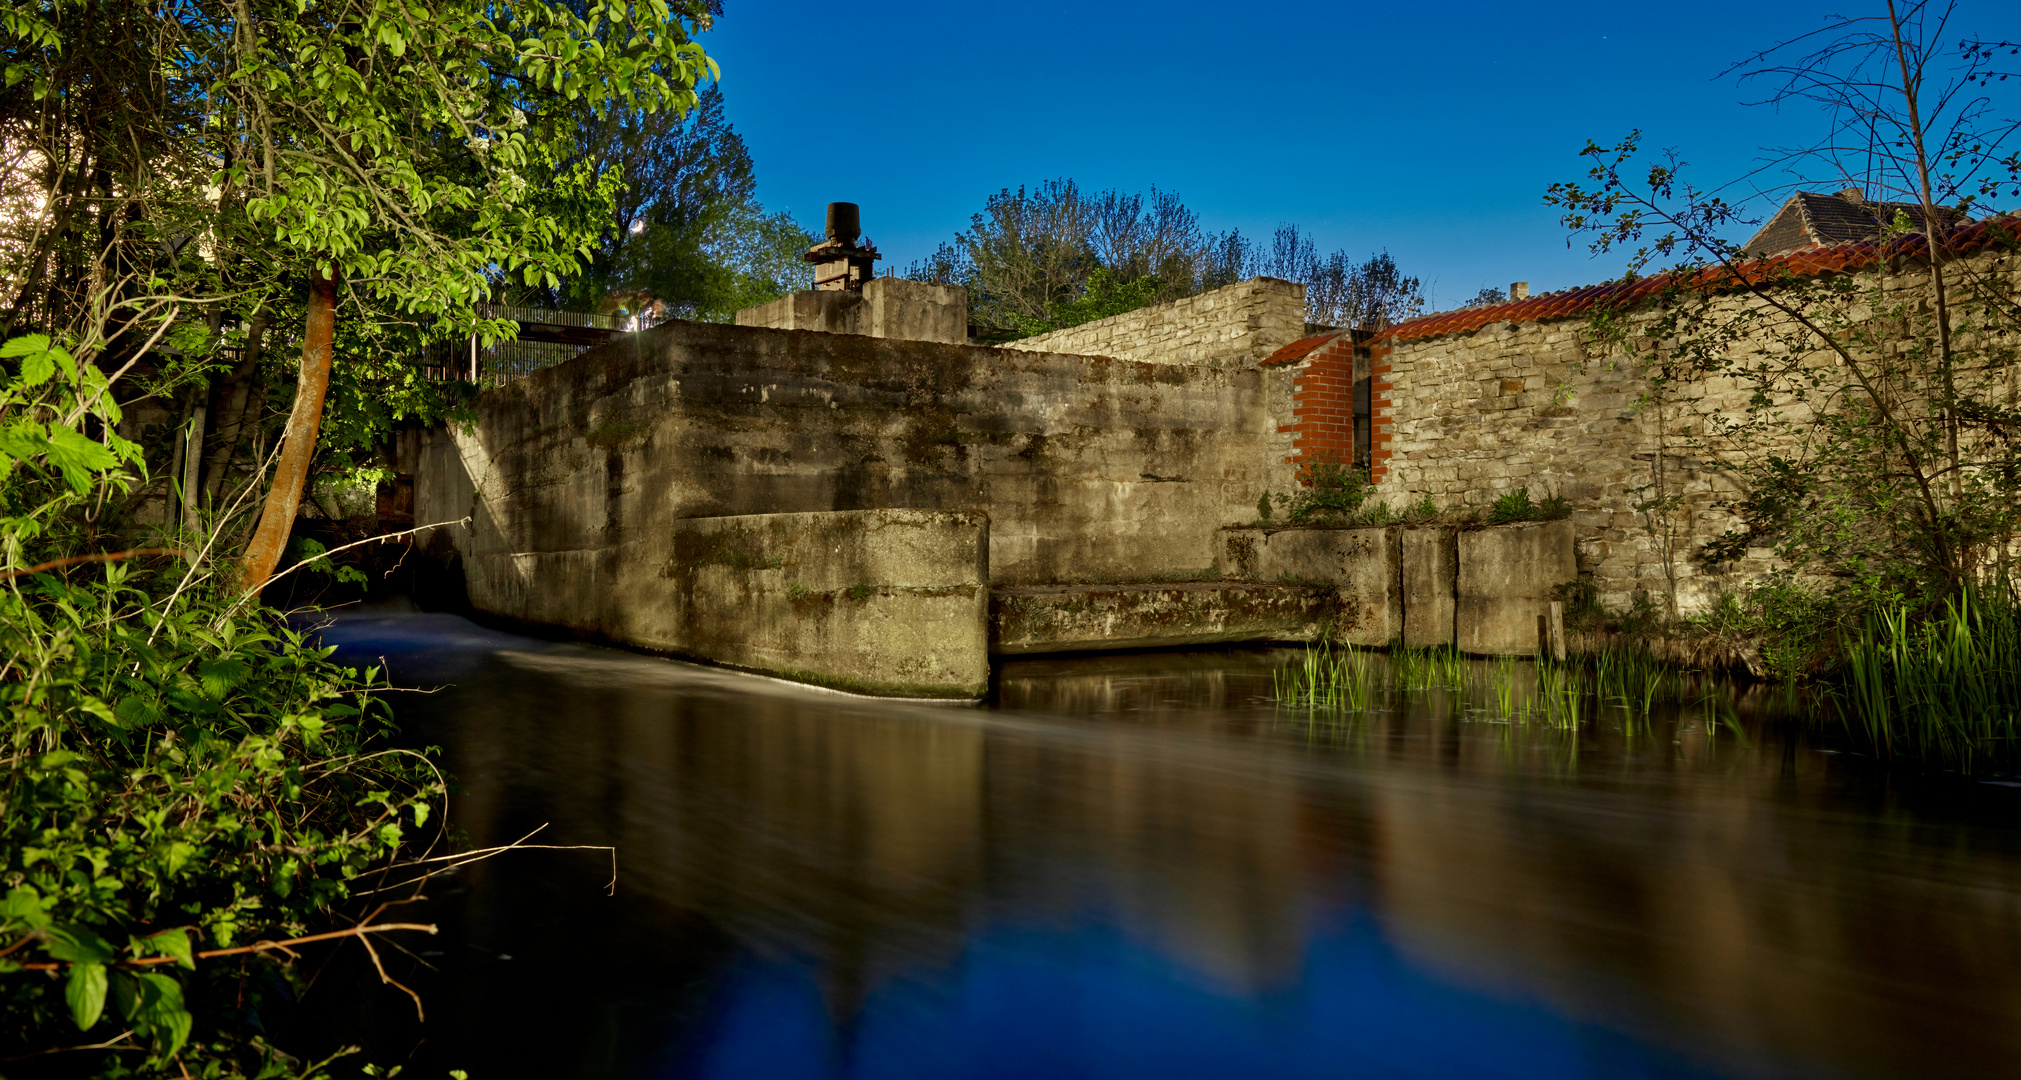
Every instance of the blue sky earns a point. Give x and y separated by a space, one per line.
1428 129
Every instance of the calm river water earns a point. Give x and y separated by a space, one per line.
1137 866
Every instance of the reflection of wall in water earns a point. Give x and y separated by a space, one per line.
1739 911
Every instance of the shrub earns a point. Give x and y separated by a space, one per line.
184 777
1329 493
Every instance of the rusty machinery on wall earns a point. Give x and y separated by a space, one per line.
839 262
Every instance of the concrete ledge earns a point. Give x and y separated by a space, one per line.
1505 579
889 602
1072 618
1362 565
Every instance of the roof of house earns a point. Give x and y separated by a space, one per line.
1968 239
1808 219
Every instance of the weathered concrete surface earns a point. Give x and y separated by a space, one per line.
1506 574
1363 565
885 308
1090 469
1068 618
874 601
1430 587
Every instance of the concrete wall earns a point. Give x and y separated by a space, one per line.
885 308
1235 327
1504 582
1431 576
1480 590
1090 469
1067 618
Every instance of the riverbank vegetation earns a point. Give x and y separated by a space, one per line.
213 218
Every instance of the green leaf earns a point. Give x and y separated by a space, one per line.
85 994
77 945
219 676
172 942
160 1012
24 905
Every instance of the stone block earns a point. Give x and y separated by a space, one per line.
1363 564
1430 586
887 602
1505 577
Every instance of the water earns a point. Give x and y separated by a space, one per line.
1137 866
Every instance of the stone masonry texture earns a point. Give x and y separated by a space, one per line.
1235 326
1465 417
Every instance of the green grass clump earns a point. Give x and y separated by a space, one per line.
1517 506
1947 687
1330 677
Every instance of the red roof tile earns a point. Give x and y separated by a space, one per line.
1964 240
1300 349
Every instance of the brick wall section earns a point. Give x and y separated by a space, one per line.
1322 403
1322 370
1236 326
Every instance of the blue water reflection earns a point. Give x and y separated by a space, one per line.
1136 866
1089 1002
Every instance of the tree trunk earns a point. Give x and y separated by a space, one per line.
291 474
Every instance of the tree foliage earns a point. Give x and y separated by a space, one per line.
687 229
176 177
1054 256
184 775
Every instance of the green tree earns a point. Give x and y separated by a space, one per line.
190 194
687 229
1053 256
392 157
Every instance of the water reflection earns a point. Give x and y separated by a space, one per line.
1136 865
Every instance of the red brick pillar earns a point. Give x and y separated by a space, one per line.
1322 404
1381 412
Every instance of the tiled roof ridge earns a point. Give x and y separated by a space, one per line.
1967 239
1300 349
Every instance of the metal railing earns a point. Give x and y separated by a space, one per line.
502 362
495 364
545 317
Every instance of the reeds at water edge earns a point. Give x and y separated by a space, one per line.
1343 679
1947 687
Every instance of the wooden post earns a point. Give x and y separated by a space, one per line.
473 356
1558 631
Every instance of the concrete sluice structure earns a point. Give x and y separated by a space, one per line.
840 490
880 514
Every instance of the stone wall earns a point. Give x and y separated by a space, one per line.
1090 469
1236 326
1467 416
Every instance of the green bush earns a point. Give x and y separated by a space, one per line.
183 774
1329 494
